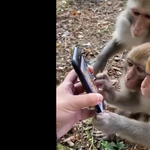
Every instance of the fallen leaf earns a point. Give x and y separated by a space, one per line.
75 13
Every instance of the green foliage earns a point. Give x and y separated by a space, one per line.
61 147
112 146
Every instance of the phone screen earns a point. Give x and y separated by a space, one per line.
88 77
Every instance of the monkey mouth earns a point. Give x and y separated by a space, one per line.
131 86
139 34
136 34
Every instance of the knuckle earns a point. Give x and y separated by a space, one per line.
105 76
91 100
99 76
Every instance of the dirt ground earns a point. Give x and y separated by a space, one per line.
89 23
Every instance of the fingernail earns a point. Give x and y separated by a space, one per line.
99 98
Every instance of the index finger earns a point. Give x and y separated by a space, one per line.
79 88
71 77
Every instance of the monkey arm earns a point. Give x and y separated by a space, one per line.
118 43
132 130
109 50
135 131
123 100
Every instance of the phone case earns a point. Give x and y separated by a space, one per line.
76 63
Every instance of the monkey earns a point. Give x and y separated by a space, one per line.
129 99
145 87
139 116
132 29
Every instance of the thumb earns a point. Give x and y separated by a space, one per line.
86 100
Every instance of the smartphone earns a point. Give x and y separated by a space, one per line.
81 68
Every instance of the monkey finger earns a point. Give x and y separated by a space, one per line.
99 83
85 114
100 91
98 116
99 76
102 84
97 122
78 88
102 76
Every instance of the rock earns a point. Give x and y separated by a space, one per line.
87 44
80 36
66 33
109 3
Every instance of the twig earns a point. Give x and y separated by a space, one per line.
77 28
65 42
92 141
69 139
70 143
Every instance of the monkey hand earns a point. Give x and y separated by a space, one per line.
103 75
105 87
107 122
99 65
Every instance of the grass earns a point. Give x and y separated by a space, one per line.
61 147
119 145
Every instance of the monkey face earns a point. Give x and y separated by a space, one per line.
141 23
134 75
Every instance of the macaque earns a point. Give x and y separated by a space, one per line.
145 87
129 99
132 29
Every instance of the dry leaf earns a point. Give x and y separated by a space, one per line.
75 13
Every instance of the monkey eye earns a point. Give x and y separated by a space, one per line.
140 69
136 13
147 16
130 64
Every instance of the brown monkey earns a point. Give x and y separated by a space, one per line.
132 29
145 87
129 99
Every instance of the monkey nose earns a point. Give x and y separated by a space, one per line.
128 79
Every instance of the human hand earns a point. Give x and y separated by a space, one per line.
70 101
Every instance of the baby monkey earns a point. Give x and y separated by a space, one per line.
129 99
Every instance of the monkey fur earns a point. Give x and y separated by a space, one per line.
129 99
132 29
